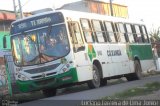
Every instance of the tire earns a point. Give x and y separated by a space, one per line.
49 92
103 82
130 77
138 70
137 74
95 82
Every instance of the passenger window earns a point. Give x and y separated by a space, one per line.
130 33
121 32
77 33
138 33
87 30
110 31
76 37
144 31
97 25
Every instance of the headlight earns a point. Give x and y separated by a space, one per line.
65 68
22 77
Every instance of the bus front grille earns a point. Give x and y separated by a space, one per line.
45 82
42 69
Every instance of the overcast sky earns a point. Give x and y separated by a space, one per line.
138 9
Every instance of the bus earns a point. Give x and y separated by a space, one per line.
63 47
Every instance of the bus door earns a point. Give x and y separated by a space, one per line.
80 56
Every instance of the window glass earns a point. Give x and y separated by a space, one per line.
121 28
129 29
40 46
98 30
87 30
109 26
110 31
17 54
121 32
130 33
77 33
138 33
144 34
29 48
54 44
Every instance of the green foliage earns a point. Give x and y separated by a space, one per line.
155 35
146 89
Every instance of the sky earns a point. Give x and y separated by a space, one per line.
145 10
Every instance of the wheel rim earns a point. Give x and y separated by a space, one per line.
138 70
96 79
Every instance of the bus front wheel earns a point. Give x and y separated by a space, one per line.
95 82
49 92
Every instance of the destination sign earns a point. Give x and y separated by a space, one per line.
36 22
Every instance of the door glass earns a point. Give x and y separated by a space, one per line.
76 36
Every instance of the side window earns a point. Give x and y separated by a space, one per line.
76 36
129 33
110 31
138 37
121 32
87 30
97 26
145 35
72 36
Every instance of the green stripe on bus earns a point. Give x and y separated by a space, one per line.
143 52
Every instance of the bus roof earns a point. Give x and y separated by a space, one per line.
74 14
78 14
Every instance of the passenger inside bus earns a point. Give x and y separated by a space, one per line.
54 45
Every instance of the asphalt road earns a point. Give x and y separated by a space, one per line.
76 99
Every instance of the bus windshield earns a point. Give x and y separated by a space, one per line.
41 45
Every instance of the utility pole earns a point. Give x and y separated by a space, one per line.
20 9
19 13
111 8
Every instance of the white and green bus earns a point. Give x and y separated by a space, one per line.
63 47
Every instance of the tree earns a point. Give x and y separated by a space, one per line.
155 35
155 40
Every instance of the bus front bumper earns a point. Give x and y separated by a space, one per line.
49 82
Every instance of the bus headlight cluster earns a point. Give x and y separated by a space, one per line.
66 68
22 77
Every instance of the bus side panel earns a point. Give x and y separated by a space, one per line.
105 60
144 54
108 70
84 73
120 58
